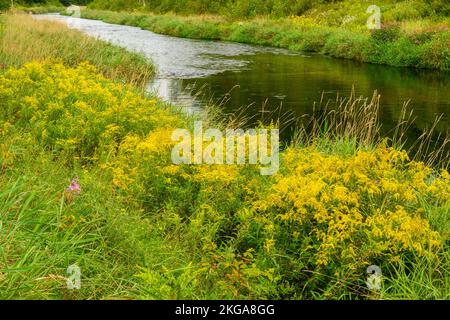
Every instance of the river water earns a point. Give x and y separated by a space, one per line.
192 73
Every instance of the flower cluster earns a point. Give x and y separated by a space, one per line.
76 110
356 209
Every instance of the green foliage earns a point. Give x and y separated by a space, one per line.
397 10
234 8
5 4
336 28
145 228
389 33
441 7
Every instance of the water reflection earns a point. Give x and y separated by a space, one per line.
174 92
298 82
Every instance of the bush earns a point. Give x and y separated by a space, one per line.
388 33
441 7
4 5
345 44
332 214
436 53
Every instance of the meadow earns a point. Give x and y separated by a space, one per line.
86 178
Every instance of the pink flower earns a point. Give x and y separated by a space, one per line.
74 187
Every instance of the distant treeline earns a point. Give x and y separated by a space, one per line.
6 4
236 8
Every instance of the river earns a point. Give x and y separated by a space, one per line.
192 73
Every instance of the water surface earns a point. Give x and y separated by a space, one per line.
261 78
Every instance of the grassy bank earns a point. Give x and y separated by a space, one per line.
33 6
140 227
413 34
23 39
38 10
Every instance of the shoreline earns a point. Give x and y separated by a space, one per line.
368 47
389 46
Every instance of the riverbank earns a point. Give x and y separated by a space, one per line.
86 178
24 39
402 42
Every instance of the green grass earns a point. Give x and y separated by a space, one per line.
142 228
41 237
417 280
39 10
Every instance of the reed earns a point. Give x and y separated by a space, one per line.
355 120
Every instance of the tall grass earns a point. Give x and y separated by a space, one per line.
416 279
41 234
353 122
23 39
37 10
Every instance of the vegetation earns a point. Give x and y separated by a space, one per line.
276 8
23 39
413 33
86 177
6 4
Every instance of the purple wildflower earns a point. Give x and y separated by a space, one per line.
74 187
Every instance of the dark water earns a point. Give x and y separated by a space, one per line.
297 82
271 77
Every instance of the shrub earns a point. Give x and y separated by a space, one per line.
436 53
345 44
4 5
314 227
388 33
